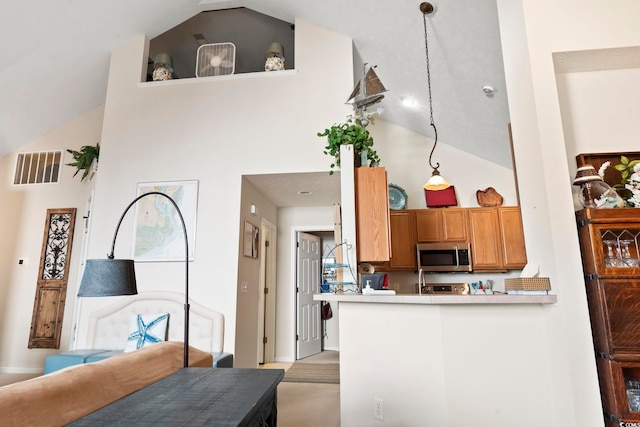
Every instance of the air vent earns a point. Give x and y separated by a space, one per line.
41 167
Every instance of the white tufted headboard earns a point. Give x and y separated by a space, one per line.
109 326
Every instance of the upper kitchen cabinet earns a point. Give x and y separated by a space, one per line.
442 225
514 252
372 214
403 240
497 239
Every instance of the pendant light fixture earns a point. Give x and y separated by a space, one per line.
436 182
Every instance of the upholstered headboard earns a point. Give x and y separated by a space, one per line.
109 326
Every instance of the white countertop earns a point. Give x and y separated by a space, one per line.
438 299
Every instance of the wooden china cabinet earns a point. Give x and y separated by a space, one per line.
609 240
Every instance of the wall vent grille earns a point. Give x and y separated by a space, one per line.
42 167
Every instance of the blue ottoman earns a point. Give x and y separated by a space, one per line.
59 361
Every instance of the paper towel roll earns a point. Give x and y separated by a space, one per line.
366 268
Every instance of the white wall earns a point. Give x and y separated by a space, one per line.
405 155
246 320
532 31
23 210
215 131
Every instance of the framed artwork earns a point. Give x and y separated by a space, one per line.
251 238
158 233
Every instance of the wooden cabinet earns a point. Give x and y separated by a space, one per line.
442 225
372 214
486 252
497 238
609 241
403 241
514 252
495 234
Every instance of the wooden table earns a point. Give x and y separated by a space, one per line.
197 396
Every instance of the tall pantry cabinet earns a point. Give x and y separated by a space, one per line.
609 240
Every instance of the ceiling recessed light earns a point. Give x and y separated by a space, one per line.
305 193
407 101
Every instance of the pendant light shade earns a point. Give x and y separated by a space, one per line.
436 182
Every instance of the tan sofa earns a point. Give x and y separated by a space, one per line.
66 395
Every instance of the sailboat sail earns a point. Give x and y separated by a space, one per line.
367 91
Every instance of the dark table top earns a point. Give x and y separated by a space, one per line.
193 396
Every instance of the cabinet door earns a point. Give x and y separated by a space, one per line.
615 402
429 225
486 250
514 252
442 225
403 240
372 214
614 308
610 241
454 225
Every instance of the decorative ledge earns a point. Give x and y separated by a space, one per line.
438 299
196 80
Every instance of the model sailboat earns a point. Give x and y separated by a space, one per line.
367 91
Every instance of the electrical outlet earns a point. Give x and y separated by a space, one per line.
378 408
244 287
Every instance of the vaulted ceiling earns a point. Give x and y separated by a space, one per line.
56 58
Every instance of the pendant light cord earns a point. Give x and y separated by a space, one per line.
432 123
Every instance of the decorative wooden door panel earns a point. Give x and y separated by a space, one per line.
51 289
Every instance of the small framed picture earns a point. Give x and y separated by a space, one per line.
251 240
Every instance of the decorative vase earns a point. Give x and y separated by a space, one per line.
364 157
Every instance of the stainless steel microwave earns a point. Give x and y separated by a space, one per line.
444 257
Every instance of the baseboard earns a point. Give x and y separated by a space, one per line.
13 370
331 349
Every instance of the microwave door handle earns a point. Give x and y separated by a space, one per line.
420 282
457 258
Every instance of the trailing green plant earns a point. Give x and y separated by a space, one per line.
84 158
349 133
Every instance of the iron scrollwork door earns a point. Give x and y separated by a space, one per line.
51 289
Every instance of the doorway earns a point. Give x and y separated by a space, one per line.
311 335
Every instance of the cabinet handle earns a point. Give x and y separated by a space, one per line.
457 258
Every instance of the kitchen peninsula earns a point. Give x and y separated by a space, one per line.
429 365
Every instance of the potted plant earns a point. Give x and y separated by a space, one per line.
352 132
85 160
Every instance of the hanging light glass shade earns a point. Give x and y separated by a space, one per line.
594 192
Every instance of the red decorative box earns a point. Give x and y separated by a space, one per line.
441 198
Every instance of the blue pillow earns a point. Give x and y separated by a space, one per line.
146 329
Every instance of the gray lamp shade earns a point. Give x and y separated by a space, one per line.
163 60
108 277
275 49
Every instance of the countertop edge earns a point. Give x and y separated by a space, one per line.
438 299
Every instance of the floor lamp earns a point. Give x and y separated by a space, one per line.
111 277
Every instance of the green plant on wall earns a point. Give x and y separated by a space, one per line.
349 133
83 159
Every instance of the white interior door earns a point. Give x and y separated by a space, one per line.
309 252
